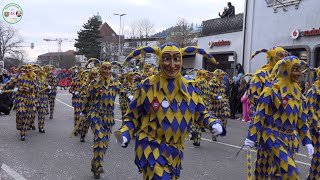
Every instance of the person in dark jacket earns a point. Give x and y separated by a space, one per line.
233 95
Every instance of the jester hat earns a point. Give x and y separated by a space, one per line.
169 47
271 54
281 75
93 62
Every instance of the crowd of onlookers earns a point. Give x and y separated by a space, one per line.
5 75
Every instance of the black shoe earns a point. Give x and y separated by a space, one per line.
214 138
75 134
82 139
193 136
203 130
96 175
33 127
196 144
42 131
23 138
51 116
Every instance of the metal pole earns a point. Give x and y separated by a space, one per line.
119 38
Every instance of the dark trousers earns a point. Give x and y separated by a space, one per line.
233 108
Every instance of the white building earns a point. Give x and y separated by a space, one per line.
223 38
292 24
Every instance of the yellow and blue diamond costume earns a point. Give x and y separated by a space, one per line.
42 97
160 116
99 106
203 85
75 89
88 76
220 107
313 104
280 118
25 97
52 81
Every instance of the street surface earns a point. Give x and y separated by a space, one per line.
56 156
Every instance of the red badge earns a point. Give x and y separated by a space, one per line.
285 101
101 91
155 104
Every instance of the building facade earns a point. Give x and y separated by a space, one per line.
223 38
292 24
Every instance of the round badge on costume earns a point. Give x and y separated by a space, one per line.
165 104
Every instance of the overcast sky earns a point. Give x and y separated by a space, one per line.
63 18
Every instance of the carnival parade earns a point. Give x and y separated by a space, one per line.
237 100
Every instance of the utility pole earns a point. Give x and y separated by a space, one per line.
119 47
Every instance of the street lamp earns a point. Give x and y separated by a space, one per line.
120 15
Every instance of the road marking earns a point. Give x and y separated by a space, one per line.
231 145
217 142
12 173
64 103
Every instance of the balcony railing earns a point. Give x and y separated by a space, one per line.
222 25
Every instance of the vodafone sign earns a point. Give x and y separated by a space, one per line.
219 43
295 34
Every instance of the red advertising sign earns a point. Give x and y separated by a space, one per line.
219 43
295 34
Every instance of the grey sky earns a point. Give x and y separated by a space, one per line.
63 18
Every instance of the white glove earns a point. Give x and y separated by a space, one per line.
219 97
82 115
310 150
124 141
76 93
216 129
15 89
49 87
0 91
248 144
130 97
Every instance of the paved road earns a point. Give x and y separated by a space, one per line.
54 155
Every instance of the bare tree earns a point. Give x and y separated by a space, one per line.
10 42
140 29
182 34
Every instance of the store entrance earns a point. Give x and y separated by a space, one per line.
226 63
301 53
317 57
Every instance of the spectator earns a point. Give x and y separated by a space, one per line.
231 10
241 101
225 13
233 94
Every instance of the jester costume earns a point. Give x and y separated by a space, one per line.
161 113
280 118
88 76
204 88
26 87
42 98
260 80
52 81
75 89
99 107
313 104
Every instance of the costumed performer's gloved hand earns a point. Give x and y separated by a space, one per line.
76 93
310 150
217 129
130 97
15 89
82 114
248 144
0 91
49 87
219 97
124 141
